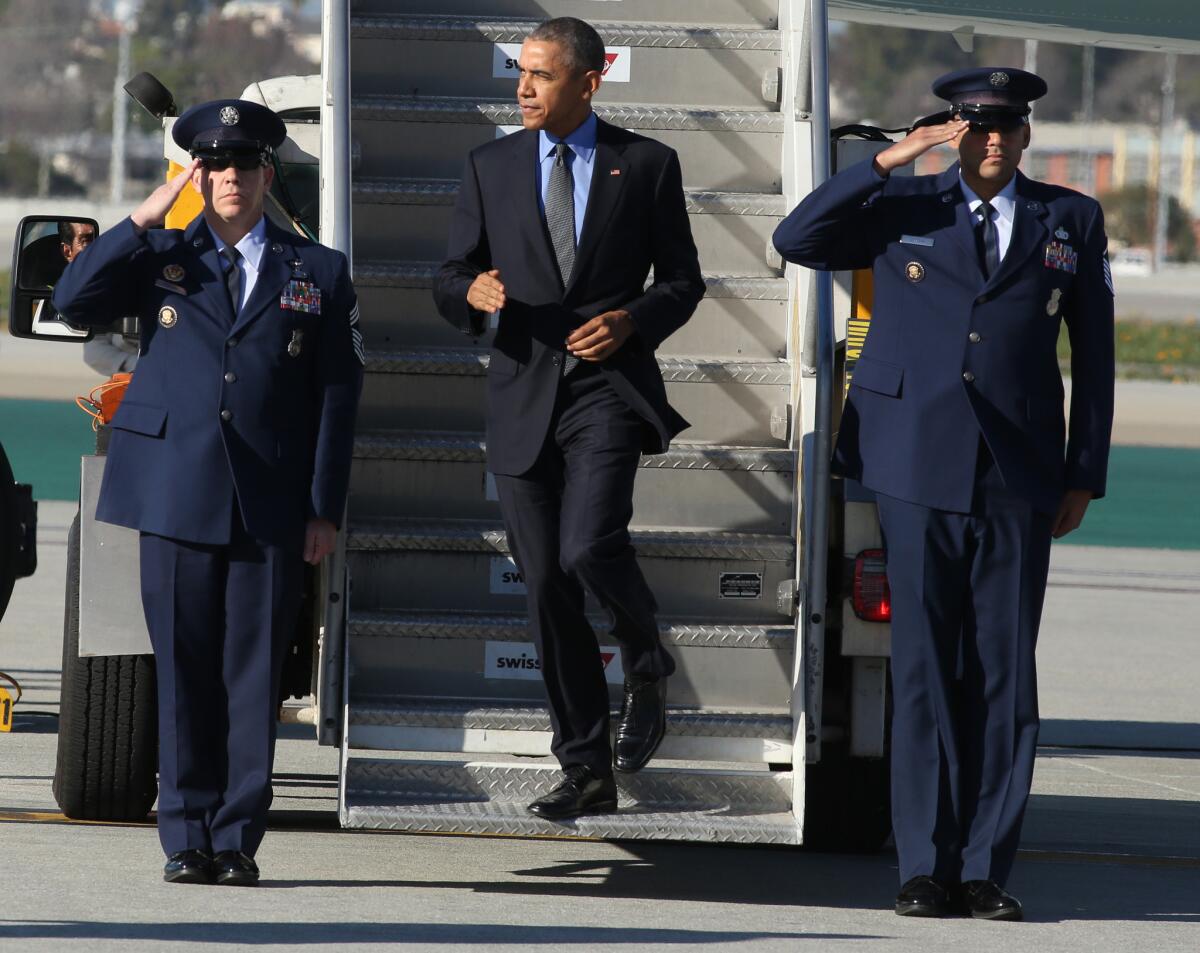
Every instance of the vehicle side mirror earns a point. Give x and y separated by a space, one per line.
44 246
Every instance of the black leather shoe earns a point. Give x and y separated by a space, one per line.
188 867
923 897
987 900
581 792
235 869
643 721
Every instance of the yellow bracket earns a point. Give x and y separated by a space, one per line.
187 206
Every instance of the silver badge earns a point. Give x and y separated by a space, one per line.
277 248
1052 304
229 116
998 78
914 271
197 242
167 316
1033 206
947 198
293 347
1061 234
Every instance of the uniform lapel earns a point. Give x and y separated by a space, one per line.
199 241
273 271
1029 232
960 230
609 170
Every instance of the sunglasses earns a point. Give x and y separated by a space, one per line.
245 162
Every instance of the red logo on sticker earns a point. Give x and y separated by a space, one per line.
606 657
609 59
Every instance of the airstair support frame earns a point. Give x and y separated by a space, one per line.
336 232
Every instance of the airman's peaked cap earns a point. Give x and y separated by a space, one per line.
227 125
1000 88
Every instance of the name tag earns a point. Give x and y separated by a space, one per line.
916 240
301 296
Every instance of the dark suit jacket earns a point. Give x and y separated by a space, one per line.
949 355
636 220
175 464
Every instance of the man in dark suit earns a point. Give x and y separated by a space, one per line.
955 418
230 452
556 228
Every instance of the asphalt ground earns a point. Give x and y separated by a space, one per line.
1110 859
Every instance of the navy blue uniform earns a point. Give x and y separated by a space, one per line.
234 431
955 418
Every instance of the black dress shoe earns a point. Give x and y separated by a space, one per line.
643 721
987 900
188 867
581 792
923 897
235 869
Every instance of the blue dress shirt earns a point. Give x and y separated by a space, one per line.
582 158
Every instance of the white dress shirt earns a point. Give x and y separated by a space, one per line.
1005 205
252 246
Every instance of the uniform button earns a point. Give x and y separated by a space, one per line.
231 378
982 299
232 342
227 415
973 337
967 376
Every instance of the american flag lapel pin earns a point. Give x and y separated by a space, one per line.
614 171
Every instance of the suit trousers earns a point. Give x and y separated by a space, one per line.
967 592
221 618
567 520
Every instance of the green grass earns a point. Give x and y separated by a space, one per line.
1151 350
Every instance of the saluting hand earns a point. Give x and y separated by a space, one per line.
320 539
486 292
917 143
599 338
154 210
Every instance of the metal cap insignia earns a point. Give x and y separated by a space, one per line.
998 78
230 116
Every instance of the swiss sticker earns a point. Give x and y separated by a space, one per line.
506 55
506 578
519 661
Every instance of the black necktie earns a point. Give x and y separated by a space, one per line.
560 222
989 241
233 276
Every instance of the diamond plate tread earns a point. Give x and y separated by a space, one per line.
456 447
514 30
495 627
512 819
419 275
652 787
439 713
401 191
473 362
504 112
482 536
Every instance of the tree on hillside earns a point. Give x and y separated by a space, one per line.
1129 218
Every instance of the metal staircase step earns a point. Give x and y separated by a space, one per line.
490 657
732 230
438 724
728 149
750 14
752 807
426 564
656 62
442 475
750 408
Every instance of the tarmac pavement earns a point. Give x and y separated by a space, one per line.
1110 858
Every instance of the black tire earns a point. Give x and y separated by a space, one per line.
8 533
108 725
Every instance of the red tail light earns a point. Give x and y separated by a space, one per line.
872 597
